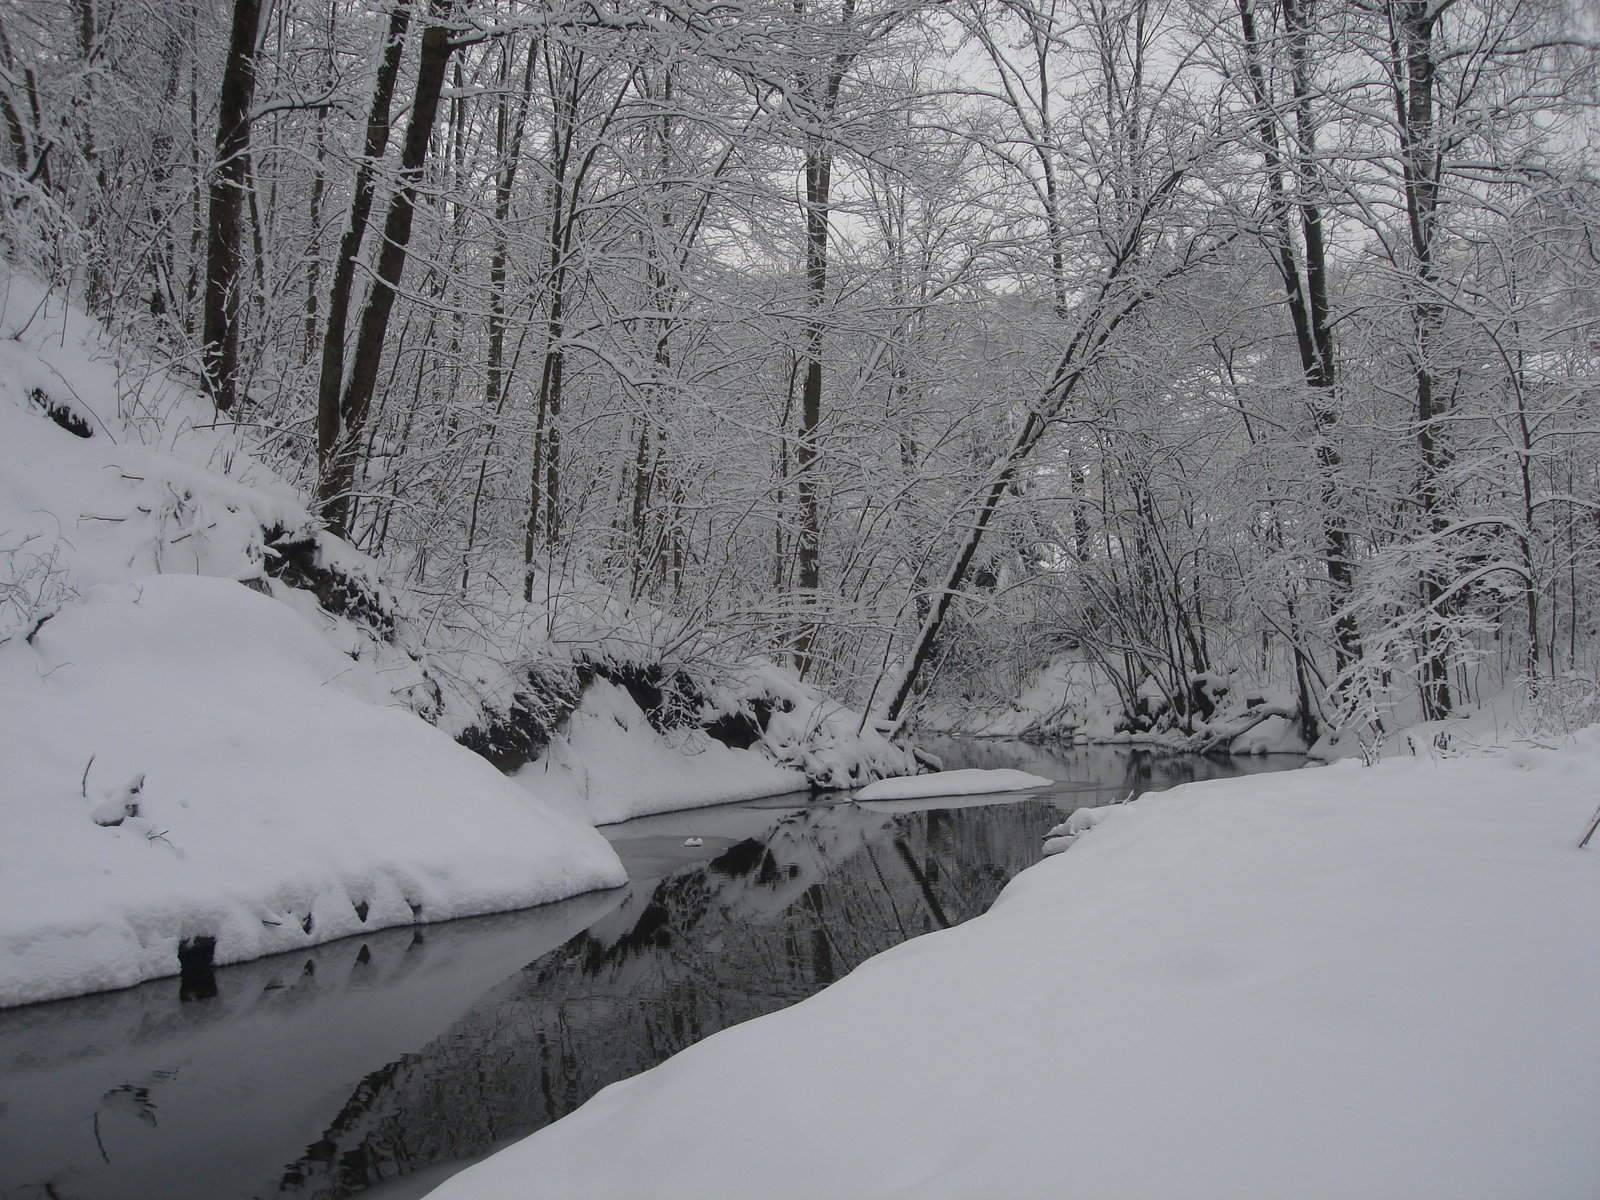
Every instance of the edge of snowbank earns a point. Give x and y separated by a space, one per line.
283 803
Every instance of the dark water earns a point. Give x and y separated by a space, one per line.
384 1063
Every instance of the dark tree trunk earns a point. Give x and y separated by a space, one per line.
1117 298
508 151
819 189
356 398
220 364
823 92
1414 69
330 435
1306 296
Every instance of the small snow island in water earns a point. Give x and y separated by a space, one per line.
971 782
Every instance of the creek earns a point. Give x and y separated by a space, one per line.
382 1064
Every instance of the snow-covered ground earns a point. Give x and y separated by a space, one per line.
185 759
1343 981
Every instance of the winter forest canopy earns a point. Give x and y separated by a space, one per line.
915 342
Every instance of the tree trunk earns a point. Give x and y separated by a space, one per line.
1306 296
330 435
819 187
220 361
508 153
1414 67
357 396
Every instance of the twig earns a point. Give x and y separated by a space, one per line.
33 631
98 1142
83 784
1589 833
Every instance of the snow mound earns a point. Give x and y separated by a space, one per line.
835 745
1333 982
610 765
1081 821
283 802
971 782
1273 735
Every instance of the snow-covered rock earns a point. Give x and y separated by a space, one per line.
1061 837
116 804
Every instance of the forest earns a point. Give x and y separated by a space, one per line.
917 343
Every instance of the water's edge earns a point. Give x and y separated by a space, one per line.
397 1058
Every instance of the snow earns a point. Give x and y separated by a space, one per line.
186 757
1069 698
609 765
835 745
970 782
1081 821
1275 735
290 793
1075 700
285 802
1333 982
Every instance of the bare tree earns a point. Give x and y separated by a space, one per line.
228 183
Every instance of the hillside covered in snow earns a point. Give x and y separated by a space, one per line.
225 734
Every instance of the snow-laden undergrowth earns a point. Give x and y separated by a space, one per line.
1334 982
1076 700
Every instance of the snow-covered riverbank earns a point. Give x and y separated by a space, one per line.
224 734
1336 982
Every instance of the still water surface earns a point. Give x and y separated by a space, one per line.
383 1064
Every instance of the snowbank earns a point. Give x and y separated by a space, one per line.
970 782
284 802
190 762
835 745
610 765
1069 698
1333 982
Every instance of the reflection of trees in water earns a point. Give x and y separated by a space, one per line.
766 923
